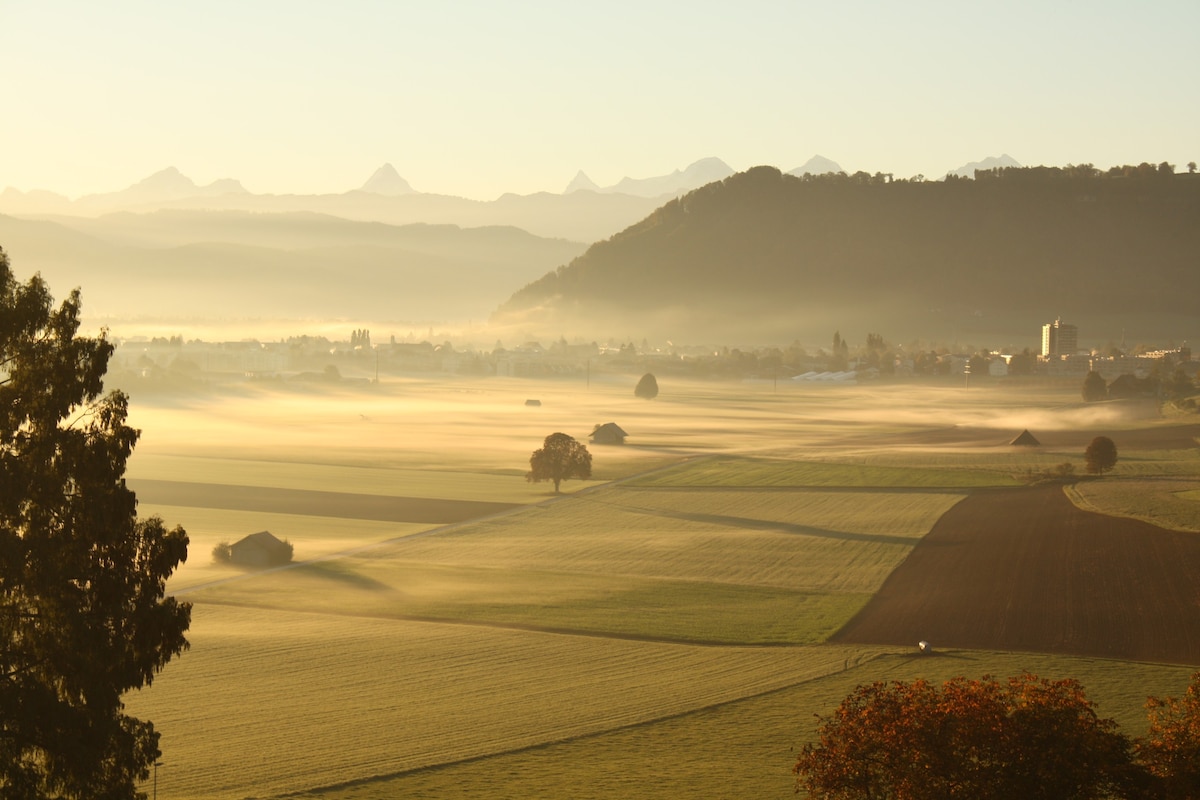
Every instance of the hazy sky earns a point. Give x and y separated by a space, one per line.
481 98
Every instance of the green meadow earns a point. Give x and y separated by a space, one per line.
657 631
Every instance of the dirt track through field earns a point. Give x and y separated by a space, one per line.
1026 570
312 503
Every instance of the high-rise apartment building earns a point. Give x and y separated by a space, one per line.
1059 339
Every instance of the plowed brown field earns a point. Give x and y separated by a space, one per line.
1027 570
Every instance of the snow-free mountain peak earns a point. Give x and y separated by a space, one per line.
991 162
387 181
697 174
581 183
817 165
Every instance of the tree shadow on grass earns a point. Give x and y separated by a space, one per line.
779 527
343 574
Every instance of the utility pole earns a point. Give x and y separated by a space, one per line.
157 763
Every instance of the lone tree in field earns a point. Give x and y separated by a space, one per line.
83 617
979 739
560 458
1094 387
1101 455
647 387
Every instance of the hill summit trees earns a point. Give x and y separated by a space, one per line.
755 252
83 617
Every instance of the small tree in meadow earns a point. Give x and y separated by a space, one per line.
560 457
647 387
1101 455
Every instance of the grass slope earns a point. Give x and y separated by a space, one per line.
319 680
270 702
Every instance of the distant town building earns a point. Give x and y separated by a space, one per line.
1059 339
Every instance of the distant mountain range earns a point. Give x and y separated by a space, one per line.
385 197
697 174
992 162
188 265
765 257
584 212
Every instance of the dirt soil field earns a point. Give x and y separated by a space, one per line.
317 504
1024 569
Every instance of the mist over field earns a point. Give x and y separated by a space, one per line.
579 401
358 405
737 514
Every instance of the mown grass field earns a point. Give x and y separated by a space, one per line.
762 472
659 635
745 748
273 702
1167 501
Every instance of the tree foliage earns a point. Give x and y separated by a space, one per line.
560 457
1100 455
1171 749
1026 737
804 245
83 616
1094 387
647 387
978 739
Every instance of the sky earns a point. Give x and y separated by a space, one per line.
477 99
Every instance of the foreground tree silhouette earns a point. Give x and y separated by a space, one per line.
83 617
979 739
560 458
1101 455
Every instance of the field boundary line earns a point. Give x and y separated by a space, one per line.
865 659
521 627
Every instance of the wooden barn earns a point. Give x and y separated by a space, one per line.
608 433
1026 439
262 549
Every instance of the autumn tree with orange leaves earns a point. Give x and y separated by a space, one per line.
981 739
1171 749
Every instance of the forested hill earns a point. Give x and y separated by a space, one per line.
766 256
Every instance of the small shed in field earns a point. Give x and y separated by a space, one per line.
1026 439
608 433
262 549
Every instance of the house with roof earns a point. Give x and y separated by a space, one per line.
1026 439
262 549
608 433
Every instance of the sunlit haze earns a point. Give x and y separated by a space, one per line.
477 99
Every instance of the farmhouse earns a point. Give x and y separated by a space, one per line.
260 549
608 433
